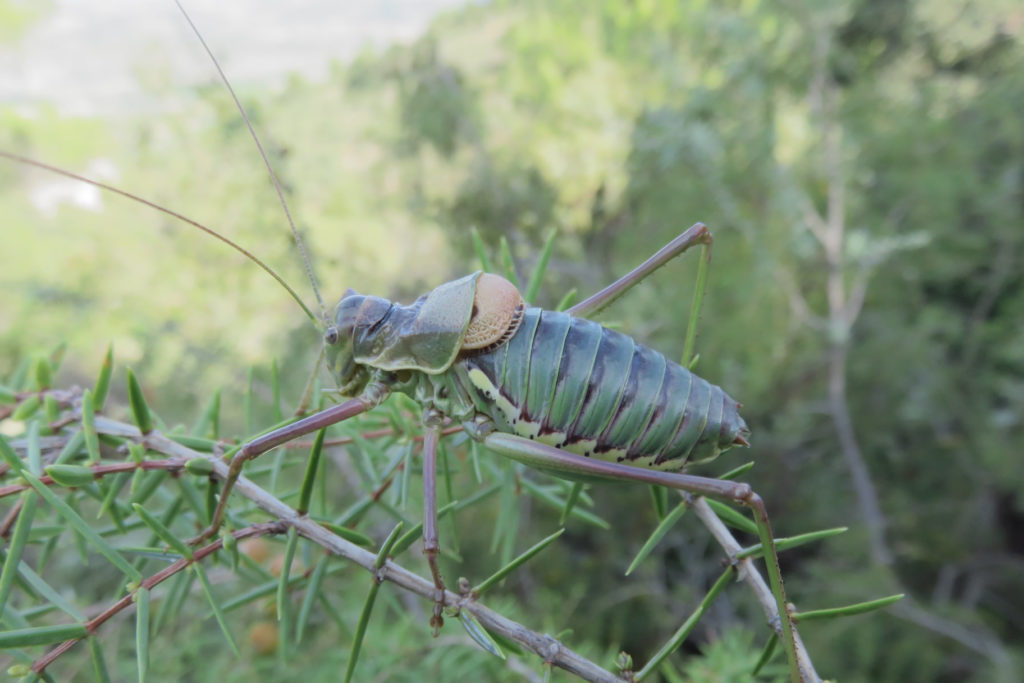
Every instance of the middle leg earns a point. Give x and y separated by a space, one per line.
431 545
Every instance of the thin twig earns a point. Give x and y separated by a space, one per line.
10 518
99 471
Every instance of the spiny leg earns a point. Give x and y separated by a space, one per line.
696 234
261 444
431 546
559 462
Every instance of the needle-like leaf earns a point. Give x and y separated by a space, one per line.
508 263
533 284
789 542
142 632
680 635
99 391
85 531
371 597
732 517
766 654
92 439
42 635
218 613
570 501
312 592
479 634
659 532
847 610
28 501
516 562
286 567
312 467
140 410
99 664
71 475
165 534
481 250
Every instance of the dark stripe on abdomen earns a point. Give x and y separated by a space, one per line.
639 397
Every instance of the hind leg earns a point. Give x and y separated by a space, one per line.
557 461
696 234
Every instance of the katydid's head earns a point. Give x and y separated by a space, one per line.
356 317
473 314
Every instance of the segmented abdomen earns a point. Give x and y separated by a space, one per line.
572 383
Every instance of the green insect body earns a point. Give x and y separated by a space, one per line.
562 380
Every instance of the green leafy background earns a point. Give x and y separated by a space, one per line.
618 125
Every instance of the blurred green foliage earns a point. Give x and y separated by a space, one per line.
620 124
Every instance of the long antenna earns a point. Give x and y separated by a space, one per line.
266 161
181 217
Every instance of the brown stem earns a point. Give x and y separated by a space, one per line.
99 471
11 517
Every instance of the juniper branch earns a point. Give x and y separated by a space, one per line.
39 666
543 645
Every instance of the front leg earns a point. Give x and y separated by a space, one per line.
432 421
373 395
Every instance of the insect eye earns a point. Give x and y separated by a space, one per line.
331 335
